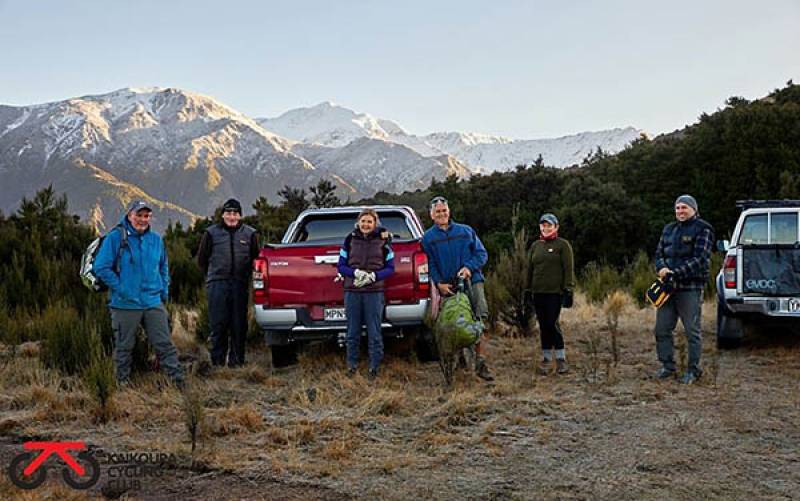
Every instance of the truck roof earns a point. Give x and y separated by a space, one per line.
766 204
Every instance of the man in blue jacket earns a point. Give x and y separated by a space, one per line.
454 250
134 267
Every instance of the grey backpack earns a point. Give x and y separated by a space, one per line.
87 274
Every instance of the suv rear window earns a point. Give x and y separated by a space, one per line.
333 228
775 228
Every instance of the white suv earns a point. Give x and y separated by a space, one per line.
760 277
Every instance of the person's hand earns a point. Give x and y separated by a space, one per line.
663 272
464 272
445 289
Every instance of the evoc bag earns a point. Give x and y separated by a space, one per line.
87 272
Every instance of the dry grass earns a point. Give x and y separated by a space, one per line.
733 435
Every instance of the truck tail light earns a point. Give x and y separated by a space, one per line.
421 280
729 272
260 278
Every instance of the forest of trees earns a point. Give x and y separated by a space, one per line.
611 207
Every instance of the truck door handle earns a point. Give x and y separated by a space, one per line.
326 259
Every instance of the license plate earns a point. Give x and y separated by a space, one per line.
335 314
794 305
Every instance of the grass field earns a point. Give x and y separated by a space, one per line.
606 430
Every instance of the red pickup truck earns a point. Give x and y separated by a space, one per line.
297 299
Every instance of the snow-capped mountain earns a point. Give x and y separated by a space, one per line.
331 125
366 163
185 152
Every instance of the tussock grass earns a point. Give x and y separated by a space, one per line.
312 424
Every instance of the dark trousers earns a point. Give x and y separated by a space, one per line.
548 308
364 309
227 314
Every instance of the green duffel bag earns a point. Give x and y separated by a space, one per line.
456 326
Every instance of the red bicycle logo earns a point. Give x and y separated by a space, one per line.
83 471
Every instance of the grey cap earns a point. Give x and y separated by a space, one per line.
138 205
688 200
550 218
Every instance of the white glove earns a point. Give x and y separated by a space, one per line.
364 279
360 274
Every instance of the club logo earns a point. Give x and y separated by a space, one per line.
27 470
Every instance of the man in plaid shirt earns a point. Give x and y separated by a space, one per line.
683 256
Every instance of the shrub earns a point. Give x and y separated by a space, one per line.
639 275
67 344
100 378
513 274
600 280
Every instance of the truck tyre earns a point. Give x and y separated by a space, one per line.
729 330
426 345
283 355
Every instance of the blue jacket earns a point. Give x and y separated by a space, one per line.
143 279
451 249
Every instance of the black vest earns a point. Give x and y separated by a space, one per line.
366 253
230 253
678 246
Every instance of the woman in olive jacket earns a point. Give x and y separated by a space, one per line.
552 285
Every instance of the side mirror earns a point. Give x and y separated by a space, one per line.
723 245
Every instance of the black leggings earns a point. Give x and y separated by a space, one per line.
548 308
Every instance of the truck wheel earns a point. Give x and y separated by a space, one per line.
283 355
426 345
729 330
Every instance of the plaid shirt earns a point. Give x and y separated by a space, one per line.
701 255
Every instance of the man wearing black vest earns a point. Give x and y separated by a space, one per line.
226 255
683 256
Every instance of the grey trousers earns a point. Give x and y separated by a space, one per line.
156 325
685 305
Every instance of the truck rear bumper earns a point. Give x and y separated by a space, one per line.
296 320
771 307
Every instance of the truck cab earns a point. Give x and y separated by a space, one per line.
760 276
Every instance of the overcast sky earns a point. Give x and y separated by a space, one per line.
523 69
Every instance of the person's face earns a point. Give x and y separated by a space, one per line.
440 213
547 228
140 220
231 218
683 212
366 224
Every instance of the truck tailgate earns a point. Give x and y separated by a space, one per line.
304 275
771 270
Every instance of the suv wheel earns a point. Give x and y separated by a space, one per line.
283 355
729 330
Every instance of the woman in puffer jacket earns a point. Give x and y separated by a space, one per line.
365 260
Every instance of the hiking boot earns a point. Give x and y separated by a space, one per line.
664 373
545 366
351 371
372 375
482 370
689 377
561 366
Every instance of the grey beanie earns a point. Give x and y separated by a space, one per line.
688 200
